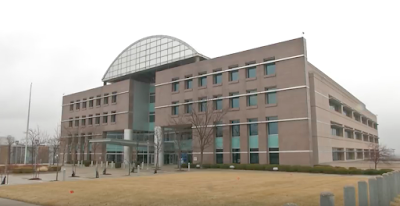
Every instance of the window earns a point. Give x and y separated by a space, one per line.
97 120
105 100
90 120
269 69
91 102
76 121
254 156
219 156
272 126
270 97
70 123
350 154
252 99
152 117
202 80
336 130
188 83
236 156
251 72
113 117
83 121
334 106
71 106
188 107
234 75
360 154
349 134
235 129
337 154
84 104
114 97
203 104
77 105
274 156
175 85
217 77
218 103
234 101
105 117
152 97
253 128
219 130
98 100
358 135
175 109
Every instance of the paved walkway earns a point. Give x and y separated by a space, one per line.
7 202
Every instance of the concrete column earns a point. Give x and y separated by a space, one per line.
349 196
381 196
373 192
86 149
327 199
128 135
158 136
362 193
386 191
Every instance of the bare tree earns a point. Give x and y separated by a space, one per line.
71 146
55 144
158 146
204 119
37 139
180 129
10 142
379 154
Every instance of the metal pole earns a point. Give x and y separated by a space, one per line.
148 155
27 124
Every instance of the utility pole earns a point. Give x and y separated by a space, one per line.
27 124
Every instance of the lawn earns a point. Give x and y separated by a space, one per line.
189 188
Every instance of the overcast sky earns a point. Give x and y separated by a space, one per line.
67 47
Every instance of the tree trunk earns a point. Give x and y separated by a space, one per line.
179 159
201 158
56 170
156 159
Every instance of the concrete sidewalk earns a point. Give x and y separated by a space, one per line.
7 202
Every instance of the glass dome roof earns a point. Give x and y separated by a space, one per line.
147 53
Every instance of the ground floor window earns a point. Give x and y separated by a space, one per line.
359 154
254 156
366 153
236 156
350 154
337 154
274 156
219 157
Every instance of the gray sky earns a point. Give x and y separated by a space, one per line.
67 47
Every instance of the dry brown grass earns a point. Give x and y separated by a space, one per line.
190 188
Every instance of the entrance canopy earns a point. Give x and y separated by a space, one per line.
121 142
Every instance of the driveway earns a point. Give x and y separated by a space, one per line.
14 203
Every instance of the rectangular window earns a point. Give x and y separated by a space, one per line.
78 105
83 121
90 120
84 104
105 118
70 123
114 97
188 107
152 98
202 80
350 154
188 83
76 121
90 102
218 103
252 99
71 106
349 134
175 109
272 126
253 127
274 156
217 78
97 120
113 116
105 100
236 156
203 104
234 75
175 85
270 97
219 130
98 100
254 156
234 101
219 156
152 117
269 69
251 72
337 154
235 129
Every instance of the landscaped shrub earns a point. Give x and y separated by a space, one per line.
86 163
54 168
381 171
371 172
254 167
353 168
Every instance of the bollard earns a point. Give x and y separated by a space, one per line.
138 169
91 163
380 184
142 165
362 193
349 196
123 165
106 164
386 192
373 192
64 171
327 199
112 164
189 166
101 164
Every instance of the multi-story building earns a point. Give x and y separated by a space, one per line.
278 108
